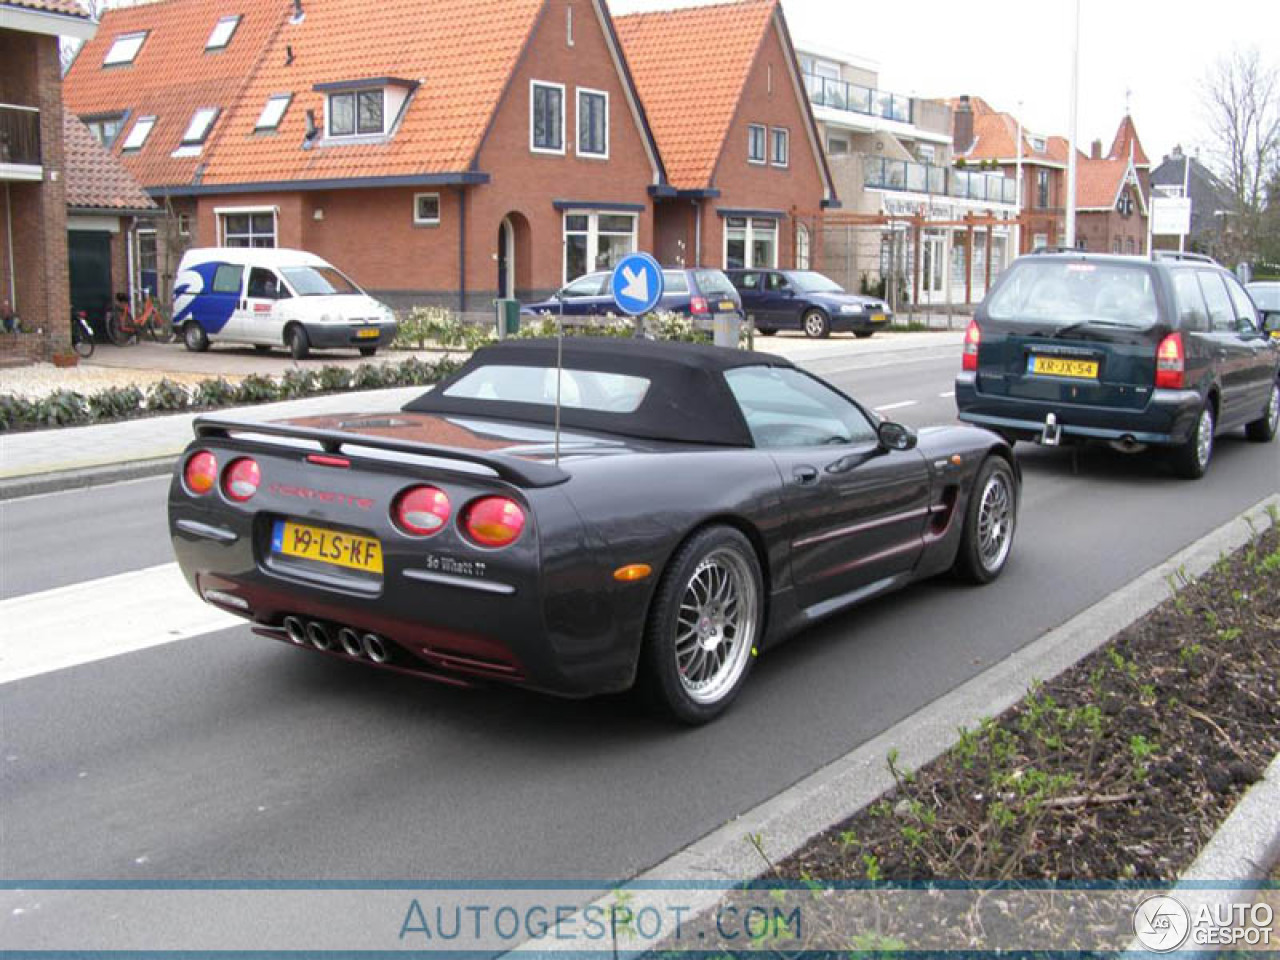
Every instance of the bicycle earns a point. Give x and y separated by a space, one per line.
124 328
82 334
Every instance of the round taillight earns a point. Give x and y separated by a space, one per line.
494 522
242 479
421 511
200 473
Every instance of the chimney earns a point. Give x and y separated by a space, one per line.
1095 150
962 128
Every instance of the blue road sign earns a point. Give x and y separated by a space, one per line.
637 284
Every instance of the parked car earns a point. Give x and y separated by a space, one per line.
1167 353
805 300
274 297
1266 295
681 508
701 293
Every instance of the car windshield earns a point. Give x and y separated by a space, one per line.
318 281
1266 297
578 389
1067 292
713 283
806 281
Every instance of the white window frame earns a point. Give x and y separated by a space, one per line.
97 128
220 218
534 148
356 132
184 224
804 245
267 120
593 236
577 140
138 135
764 142
125 48
190 137
425 222
747 250
773 146
227 25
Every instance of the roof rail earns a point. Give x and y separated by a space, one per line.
1180 255
1056 249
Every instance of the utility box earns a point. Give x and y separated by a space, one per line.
726 329
508 317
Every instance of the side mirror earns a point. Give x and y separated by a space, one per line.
894 436
1271 322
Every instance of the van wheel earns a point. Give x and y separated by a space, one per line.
1263 430
816 325
1191 459
299 342
368 351
194 337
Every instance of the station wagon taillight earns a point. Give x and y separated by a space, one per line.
421 511
698 306
972 339
494 522
1171 366
242 479
201 473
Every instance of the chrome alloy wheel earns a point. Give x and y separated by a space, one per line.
715 626
995 521
1273 409
1204 437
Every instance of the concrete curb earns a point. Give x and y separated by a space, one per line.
785 823
60 480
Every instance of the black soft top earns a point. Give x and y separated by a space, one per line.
688 400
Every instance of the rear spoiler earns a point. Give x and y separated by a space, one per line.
523 473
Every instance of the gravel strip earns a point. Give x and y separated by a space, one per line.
41 379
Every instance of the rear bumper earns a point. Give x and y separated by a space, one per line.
329 335
1168 419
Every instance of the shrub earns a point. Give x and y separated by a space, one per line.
16 412
331 379
214 393
296 382
167 395
61 408
256 388
369 376
115 403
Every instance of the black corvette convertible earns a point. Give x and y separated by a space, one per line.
694 507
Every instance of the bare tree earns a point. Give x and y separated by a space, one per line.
1242 103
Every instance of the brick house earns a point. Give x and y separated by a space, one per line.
1111 195
1211 203
33 214
448 151
747 176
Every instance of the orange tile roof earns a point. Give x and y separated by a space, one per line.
1126 139
1098 182
171 77
69 8
94 178
460 52
690 67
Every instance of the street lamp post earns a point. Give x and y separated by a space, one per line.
1071 149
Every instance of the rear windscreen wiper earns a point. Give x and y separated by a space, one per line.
1092 323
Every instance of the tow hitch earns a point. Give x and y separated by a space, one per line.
1051 436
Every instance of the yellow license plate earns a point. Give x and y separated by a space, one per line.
878 318
1064 367
367 333
348 550
727 305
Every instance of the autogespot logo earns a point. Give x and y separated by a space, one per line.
1161 924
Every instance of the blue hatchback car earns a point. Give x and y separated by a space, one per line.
1164 353
701 293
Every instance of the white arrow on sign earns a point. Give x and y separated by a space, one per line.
637 285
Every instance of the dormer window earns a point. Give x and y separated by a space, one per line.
138 135
105 127
363 108
222 33
273 112
1039 144
198 129
124 49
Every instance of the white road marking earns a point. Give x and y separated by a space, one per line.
946 396
896 406
97 619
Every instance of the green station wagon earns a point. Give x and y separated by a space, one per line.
1166 353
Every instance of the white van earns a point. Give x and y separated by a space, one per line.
274 298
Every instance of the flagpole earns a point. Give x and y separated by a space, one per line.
1071 156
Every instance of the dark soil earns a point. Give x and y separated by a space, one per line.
1118 770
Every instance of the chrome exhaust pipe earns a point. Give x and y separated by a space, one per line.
350 641
375 649
318 634
293 627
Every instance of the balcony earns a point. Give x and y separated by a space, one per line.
881 173
840 95
19 142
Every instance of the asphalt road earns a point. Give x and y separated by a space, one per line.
227 756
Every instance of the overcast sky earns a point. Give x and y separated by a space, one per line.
1019 51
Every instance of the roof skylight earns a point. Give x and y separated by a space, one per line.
222 32
124 49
